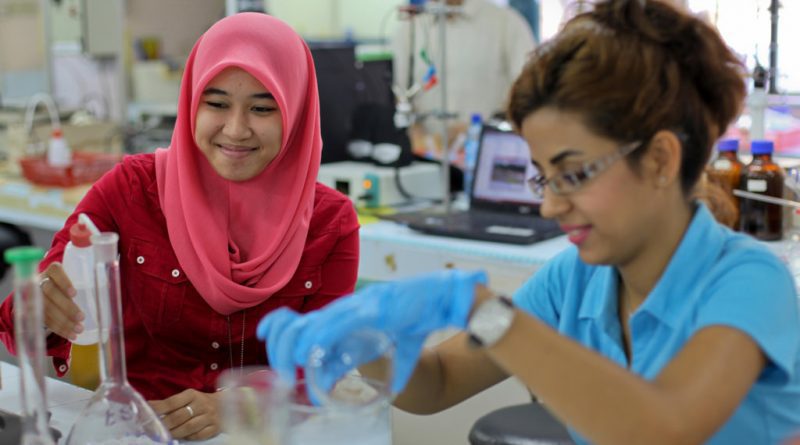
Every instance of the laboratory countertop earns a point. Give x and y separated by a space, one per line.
26 204
65 402
532 254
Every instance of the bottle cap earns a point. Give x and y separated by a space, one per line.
761 147
57 133
24 258
728 145
79 234
475 118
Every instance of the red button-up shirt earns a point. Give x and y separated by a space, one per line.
173 339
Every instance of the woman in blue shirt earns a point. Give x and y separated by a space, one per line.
660 325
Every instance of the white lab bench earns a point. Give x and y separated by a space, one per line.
64 401
390 251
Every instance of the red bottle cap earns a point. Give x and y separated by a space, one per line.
57 133
79 234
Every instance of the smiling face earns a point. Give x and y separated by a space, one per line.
606 215
238 125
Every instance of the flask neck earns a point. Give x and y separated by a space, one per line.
112 340
28 322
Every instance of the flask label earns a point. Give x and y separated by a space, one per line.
723 164
757 185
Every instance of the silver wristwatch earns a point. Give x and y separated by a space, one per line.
490 321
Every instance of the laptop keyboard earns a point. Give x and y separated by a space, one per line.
487 219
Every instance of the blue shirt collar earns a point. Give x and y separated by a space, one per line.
700 246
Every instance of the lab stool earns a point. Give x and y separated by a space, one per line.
526 424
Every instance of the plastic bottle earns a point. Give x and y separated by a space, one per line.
763 176
726 169
78 264
58 152
471 152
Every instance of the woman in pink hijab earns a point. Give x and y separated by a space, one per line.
222 227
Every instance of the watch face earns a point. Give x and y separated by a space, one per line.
490 321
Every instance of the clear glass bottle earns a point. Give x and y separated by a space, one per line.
762 175
116 413
29 333
471 152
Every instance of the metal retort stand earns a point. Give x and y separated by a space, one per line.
405 115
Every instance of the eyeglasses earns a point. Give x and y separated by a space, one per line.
570 181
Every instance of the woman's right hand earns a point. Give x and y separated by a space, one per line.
61 315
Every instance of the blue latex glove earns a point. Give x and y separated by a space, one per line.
408 311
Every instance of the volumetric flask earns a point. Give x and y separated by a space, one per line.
255 406
116 414
28 322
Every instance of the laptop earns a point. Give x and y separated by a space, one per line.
502 207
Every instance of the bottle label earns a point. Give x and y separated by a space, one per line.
722 164
757 185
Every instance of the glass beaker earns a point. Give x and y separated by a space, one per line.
116 413
29 333
255 406
358 416
356 407
259 408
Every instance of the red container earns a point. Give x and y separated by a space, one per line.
86 167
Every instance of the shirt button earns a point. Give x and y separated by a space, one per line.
176 273
308 284
140 259
215 345
214 366
62 368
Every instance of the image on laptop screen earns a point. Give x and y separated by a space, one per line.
504 163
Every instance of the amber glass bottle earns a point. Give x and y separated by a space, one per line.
726 169
763 176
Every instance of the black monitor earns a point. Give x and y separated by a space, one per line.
336 79
345 84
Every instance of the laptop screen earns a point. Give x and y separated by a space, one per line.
504 164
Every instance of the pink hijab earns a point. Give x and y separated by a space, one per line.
240 242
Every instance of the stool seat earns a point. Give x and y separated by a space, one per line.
526 424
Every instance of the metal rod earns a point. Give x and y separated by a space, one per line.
767 199
442 16
773 47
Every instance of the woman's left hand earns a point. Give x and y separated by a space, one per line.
191 414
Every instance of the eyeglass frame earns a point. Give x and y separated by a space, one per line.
589 170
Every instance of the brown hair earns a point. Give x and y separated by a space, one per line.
633 67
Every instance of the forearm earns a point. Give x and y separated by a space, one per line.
423 391
601 400
439 381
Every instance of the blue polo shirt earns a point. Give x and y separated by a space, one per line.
715 277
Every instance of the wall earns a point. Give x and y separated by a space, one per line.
331 19
178 23
22 67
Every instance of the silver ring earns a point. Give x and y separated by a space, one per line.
191 411
43 280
